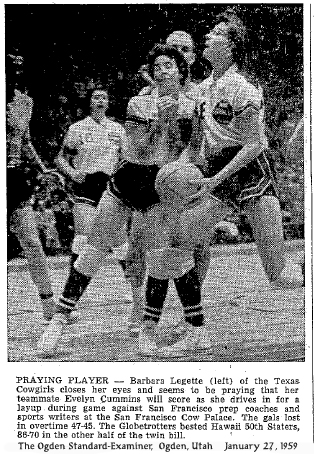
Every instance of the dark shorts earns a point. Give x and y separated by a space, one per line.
134 185
252 181
19 189
92 188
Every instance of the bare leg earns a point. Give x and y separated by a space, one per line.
105 233
265 217
198 232
27 233
266 220
28 236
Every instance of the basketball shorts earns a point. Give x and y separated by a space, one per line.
252 181
19 189
92 188
134 185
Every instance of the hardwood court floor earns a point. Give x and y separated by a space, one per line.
247 320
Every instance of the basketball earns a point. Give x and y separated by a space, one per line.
173 182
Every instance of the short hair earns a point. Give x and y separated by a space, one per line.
96 87
85 102
237 35
180 34
171 52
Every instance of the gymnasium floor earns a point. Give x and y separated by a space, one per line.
248 320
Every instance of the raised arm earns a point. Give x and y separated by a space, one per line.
147 137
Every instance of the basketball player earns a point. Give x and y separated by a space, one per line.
135 259
158 129
232 156
183 42
91 151
23 166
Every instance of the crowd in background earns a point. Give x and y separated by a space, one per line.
276 53
54 206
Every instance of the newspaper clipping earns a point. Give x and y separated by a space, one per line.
158 229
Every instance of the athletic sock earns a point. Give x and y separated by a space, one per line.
189 291
46 296
156 292
73 290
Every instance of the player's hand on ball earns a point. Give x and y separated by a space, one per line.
206 185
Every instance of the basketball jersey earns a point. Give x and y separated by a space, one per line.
142 110
225 102
96 146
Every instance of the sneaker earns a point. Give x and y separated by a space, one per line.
147 341
195 339
180 328
291 277
49 308
52 334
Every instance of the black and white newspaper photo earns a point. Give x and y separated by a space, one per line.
157 228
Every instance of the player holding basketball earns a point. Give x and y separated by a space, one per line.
158 129
232 157
91 150
234 149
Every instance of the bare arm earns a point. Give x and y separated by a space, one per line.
62 161
252 139
34 158
251 132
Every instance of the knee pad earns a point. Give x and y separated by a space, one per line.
79 243
89 261
169 262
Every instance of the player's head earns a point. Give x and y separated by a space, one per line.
183 42
98 99
167 65
226 41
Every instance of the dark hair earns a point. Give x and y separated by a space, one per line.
237 35
85 102
90 91
171 52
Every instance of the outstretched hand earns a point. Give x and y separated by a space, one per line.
204 188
